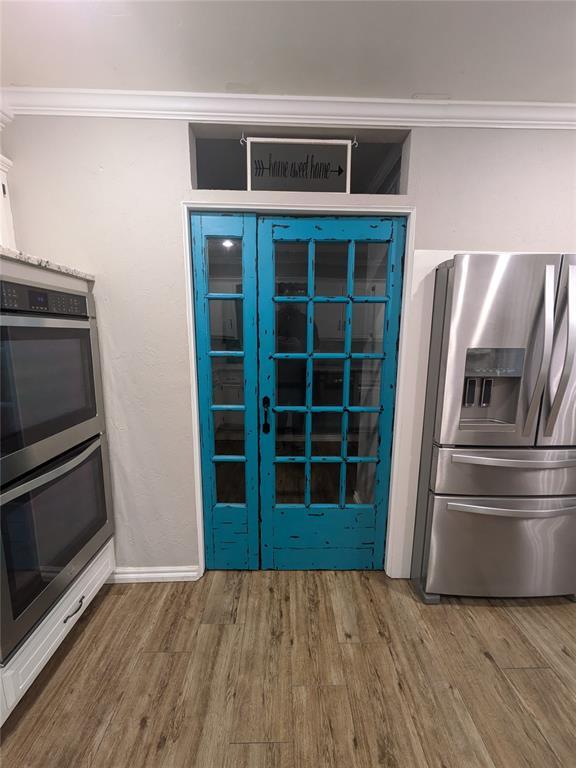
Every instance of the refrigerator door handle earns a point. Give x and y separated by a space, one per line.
492 461
549 290
570 352
499 512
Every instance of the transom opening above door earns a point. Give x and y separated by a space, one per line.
296 327
378 160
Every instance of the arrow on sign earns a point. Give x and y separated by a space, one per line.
338 170
260 168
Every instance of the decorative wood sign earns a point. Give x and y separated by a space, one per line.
299 165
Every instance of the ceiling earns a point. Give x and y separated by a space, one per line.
467 50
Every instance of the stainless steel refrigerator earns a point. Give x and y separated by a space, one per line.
496 510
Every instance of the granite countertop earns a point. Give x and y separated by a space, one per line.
7 253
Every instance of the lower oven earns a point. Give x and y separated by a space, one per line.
53 521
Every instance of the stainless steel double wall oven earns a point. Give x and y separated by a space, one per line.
496 509
55 496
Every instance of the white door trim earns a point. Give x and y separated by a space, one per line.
400 517
260 109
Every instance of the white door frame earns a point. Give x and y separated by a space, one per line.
400 515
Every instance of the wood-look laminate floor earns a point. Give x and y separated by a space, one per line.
311 669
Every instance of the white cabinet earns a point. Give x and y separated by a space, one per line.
6 224
23 668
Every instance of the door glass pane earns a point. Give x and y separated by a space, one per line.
229 433
330 267
360 482
291 263
326 434
290 434
362 434
329 323
365 382
230 482
291 382
290 483
224 264
291 327
226 324
370 267
328 380
324 483
227 381
368 327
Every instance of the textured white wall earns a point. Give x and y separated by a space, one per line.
493 189
104 196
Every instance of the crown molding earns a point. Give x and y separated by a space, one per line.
5 115
287 110
5 165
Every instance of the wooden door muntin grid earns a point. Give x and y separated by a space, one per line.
345 535
231 529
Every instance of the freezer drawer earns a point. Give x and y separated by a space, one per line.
502 547
503 472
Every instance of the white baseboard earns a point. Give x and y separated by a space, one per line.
159 573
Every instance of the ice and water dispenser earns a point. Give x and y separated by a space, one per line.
492 385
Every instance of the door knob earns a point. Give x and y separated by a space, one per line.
266 407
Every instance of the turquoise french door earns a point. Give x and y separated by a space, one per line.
297 323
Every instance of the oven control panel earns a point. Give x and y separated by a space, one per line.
16 297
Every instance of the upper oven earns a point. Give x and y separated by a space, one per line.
50 386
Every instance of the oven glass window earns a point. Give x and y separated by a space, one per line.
44 529
47 383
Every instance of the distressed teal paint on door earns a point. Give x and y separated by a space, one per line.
319 363
224 276
324 503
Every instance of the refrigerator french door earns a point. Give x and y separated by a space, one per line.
558 419
496 510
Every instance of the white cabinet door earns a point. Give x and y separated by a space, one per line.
26 664
6 224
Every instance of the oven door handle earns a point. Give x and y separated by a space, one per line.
22 321
53 474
